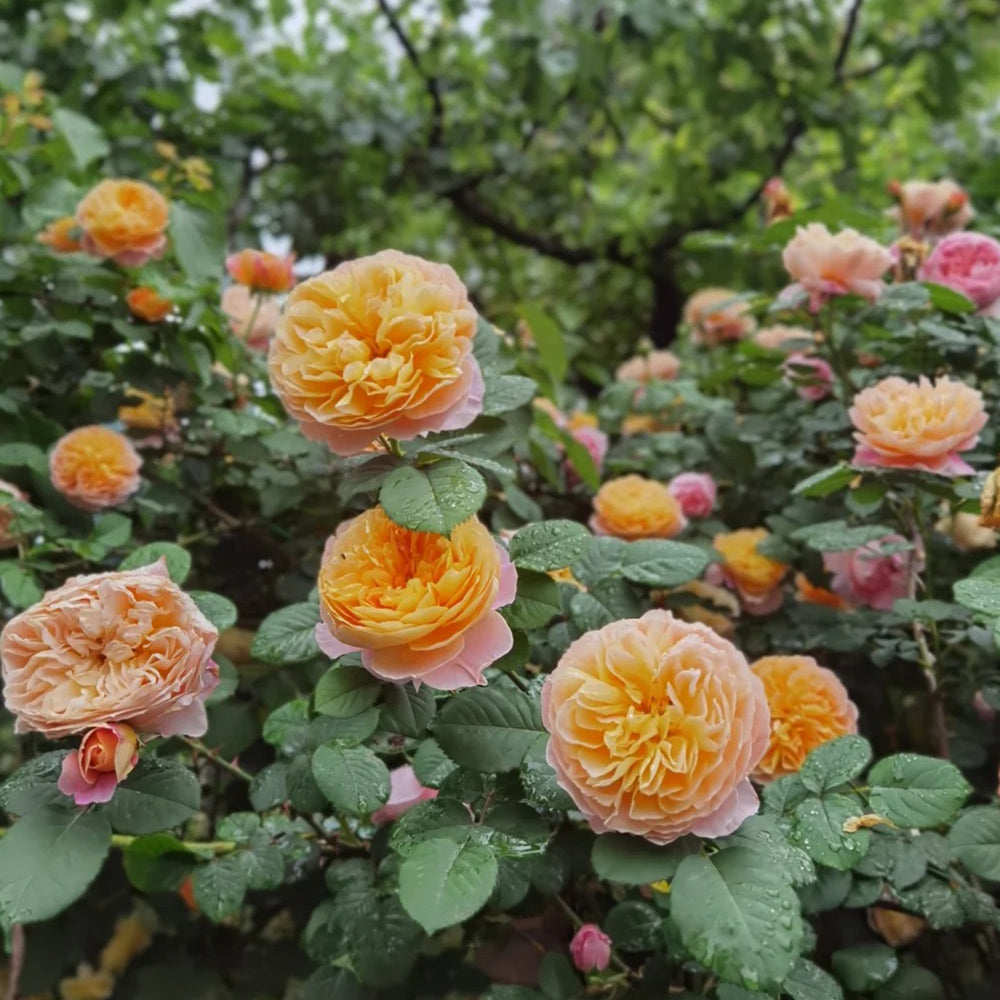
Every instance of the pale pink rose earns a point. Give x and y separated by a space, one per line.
716 315
8 493
781 338
695 492
969 263
814 384
596 443
405 791
824 264
240 305
930 209
106 756
127 645
590 948
865 577
653 367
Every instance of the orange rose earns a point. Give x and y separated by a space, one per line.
809 593
633 507
380 345
649 367
261 271
128 645
106 756
420 607
809 706
125 221
755 577
60 235
146 304
8 493
655 725
95 467
920 426
717 314
642 423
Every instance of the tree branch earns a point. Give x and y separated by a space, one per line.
850 26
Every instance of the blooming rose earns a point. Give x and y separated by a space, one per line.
261 271
379 345
966 532
634 507
241 306
824 264
812 377
106 756
405 791
717 314
969 263
922 425
146 304
590 948
809 706
695 492
717 609
152 414
777 201
755 577
867 576
655 724
95 467
809 593
125 221
781 338
931 208
8 492
60 235
420 607
127 645
650 367
642 423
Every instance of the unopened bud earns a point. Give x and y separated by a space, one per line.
989 501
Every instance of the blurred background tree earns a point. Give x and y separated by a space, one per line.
581 152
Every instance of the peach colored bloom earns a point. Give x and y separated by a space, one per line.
989 501
970 264
920 426
106 756
590 948
811 377
782 338
965 531
777 201
809 593
127 645
809 706
155 415
634 507
261 271
897 929
146 304
95 467
8 493
755 577
420 607
60 236
695 492
718 610
824 264
379 345
867 576
655 725
930 209
405 791
125 221
717 314
642 423
652 367
240 306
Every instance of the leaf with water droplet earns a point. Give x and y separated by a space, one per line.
435 498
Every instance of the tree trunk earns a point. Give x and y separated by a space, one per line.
668 304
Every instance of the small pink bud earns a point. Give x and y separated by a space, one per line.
812 377
590 948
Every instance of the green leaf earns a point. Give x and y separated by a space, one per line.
219 610
620 857
34 784
287 635
836 536
550 545
916 791
199 241
19 454
489 728
47 860
444 882
548 340
537 601
911 982
507 392
85 139
738 917
975 839
352 778
979 595
436 498
819 831
660 563
947 299
330 983
269 787
765 834
178 559
287 727
220 885
157 795
807 981
158 863
826 481
835 763
407 711
19 586
634 926
346 690
865 966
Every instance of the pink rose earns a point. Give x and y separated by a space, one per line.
968 263
240 306
596 443
695 492
405 792
652 367
106 756
8 493
590 948
814 384
867 577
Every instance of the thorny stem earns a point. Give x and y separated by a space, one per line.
836 359
198 747
123 841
